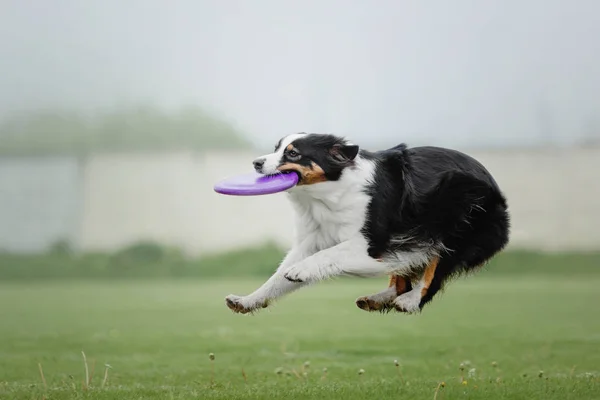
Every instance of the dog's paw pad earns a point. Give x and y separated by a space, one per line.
363 304
368 304
239 305
234 303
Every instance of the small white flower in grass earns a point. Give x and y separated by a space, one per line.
324 370
397 364
279 371
361 371
494 364
211 357
306 364
461 366
472 372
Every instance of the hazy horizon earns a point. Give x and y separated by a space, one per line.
448 73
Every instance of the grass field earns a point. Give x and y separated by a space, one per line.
532 337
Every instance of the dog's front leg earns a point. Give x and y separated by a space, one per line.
275 287
347 258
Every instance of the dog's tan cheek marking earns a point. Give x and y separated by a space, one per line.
428 275
309 175
289 167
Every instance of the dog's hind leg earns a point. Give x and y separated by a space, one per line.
383 300
410 302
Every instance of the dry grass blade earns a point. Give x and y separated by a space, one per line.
92 372
87 371
437 390
572 371
296 373
42 375
211 357
107 367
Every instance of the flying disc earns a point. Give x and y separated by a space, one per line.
255 184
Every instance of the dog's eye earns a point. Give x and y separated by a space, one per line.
293 153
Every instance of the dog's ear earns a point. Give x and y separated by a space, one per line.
343 153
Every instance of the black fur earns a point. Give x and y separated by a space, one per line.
421 198
329 152
428 197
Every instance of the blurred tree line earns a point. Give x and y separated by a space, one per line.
152 260
60 132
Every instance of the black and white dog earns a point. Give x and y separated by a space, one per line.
421 215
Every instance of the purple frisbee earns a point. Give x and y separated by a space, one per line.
255 184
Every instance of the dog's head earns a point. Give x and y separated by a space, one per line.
314 157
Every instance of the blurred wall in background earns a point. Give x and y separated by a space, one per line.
169 198
107 201
40 201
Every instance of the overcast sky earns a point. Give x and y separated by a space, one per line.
445 72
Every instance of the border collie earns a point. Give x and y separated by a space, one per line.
422 215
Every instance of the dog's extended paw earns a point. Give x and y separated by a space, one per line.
368 304
408 303
239 305
235 304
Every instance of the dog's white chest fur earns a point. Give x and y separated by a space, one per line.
332 212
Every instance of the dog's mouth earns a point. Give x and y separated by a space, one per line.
300 177
295 172
289 170
284 172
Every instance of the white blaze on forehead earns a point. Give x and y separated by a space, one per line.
286 141
273 160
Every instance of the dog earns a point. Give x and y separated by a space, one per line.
421 215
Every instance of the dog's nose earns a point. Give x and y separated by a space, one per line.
258 164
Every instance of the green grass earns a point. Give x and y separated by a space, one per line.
157 335
143 260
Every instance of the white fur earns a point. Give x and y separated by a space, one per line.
329 241
409 301
330 213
